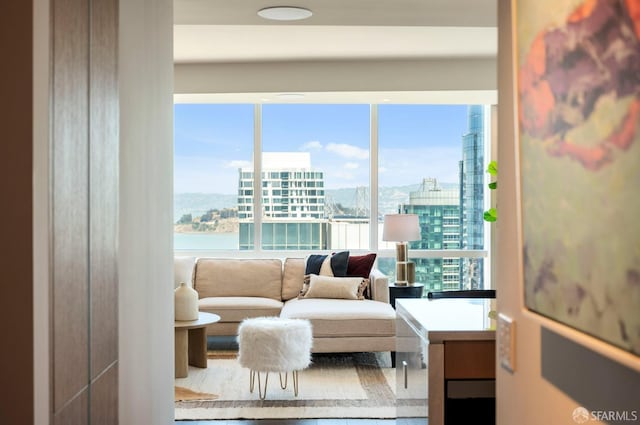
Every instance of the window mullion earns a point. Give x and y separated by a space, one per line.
373 179
257 177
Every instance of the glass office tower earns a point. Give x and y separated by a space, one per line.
438 211
472 180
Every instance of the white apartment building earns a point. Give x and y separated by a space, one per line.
290 188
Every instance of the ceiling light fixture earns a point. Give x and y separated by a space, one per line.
290 96
284 13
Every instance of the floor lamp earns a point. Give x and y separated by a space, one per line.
401 228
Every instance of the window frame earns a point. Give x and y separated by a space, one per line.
490 147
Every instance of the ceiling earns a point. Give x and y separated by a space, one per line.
479 13
230 31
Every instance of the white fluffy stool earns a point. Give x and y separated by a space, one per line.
272 344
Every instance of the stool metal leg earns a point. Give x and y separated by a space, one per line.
286 376
295 378
252 381
266 380
263 393
295 382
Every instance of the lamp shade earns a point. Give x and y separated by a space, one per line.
401 228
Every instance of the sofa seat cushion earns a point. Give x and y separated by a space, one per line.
236 309
343 318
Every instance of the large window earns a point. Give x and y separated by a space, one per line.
434 156
311 179
315 164
212 142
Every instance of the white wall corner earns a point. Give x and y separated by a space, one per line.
146 365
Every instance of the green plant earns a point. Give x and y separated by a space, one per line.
492 214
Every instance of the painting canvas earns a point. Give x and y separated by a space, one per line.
578 97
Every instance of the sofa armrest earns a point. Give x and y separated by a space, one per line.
379 286
183 269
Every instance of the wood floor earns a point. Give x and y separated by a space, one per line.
293 422
402 421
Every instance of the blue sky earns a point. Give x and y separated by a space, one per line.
416 141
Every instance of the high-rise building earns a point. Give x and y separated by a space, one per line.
292 203
438 211
472 180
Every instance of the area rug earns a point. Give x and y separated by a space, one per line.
185 394
354 385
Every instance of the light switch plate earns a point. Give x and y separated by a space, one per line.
506 334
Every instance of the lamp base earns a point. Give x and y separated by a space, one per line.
402 257
411 272
401 273
402 251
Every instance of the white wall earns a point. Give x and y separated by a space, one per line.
583 377
146 213
333 75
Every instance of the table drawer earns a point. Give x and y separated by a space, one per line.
469 360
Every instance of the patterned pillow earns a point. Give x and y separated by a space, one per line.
327 265
363 291
305 286
351 288
313 263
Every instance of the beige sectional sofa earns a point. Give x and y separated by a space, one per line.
236 289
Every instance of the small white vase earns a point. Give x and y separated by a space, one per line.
186 302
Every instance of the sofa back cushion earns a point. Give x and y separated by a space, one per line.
217 277
293 278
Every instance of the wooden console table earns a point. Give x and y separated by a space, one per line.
439 341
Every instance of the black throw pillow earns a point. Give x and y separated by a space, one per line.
339 263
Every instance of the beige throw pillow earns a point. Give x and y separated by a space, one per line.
350 288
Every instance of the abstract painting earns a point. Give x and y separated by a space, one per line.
578 100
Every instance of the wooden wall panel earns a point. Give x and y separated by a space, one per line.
84 211
70 309
67 222
103 177
75 412
16 187
104 398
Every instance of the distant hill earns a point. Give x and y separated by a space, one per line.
199 203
